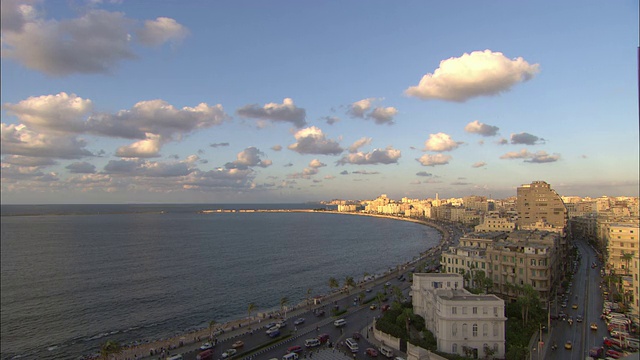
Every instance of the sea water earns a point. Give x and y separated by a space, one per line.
74 276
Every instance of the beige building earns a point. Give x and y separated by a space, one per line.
540 206
461 322
508 259
496 223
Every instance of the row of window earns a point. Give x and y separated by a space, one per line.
474 310
474 330
454 348
533 262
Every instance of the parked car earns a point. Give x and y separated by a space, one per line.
614 354
372 352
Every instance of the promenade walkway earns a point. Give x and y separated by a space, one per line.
191 341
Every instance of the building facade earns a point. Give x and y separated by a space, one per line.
538 204
462 323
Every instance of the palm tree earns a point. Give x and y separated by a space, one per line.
109 348
386 287
397 293
349 283
212 325
364 276
283 306
309 297
627 257
333 283
251 308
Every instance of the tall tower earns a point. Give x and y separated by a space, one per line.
539 203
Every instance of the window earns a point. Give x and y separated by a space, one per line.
484 310
454 329
520 271
521 260
495 310
475 310
454 310
533 262
474 330
464 310
485 330
454 348
495 329
464 330
495 347
483 263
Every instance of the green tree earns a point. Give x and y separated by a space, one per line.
250 308
627 257
109 348
349 283
333 283
397 293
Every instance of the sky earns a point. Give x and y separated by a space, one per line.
285 101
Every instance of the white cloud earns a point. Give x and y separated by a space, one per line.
81 168
476 127
359 108
146 168
311 140
539 157
147 148
479 164
276 147
285 112
433 160
440 142
27 161
377 156
60 113
20 140
358 144
248 157
315 163
161 30
481 73
93 43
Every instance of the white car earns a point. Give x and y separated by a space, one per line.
229 353
312 342
273 329
298 321
206 346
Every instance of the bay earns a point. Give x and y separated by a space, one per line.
74 276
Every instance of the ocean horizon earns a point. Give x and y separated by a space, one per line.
74 276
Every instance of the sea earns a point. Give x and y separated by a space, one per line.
75 276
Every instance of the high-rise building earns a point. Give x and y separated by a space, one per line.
540 208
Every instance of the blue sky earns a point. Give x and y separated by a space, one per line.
289 101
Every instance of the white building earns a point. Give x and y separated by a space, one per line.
459 320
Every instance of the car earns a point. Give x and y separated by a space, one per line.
229 353
323 338
368 290
238 344
298 321
388 283
373 306
593 326
275 333
574 306
385 307
340 322
614 354
294 349
568 345
579 318
272 329
319 312
205 355
206 346
312 342
270 325
371 352
281 324
356 336
564 304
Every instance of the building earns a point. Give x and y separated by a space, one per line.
496 223
462 323
510 260
540 207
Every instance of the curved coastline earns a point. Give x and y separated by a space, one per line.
240 325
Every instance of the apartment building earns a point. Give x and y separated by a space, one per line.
540 206
517 258
495 222
462 323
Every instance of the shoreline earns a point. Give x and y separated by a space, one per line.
148 348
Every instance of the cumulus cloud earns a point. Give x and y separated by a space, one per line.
311 140
315 163
365 172
147 148
161 30
539 157
476 127
424 173
524 138
81 168
479 164
433 160
285 112
248 157
502 141
93 43
20 140
377 156
276 147
12 173
358 144
383 115
440 142
481 73
359 108
60 113
19 160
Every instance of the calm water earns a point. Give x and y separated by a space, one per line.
72 280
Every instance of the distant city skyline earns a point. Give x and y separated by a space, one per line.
286 102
